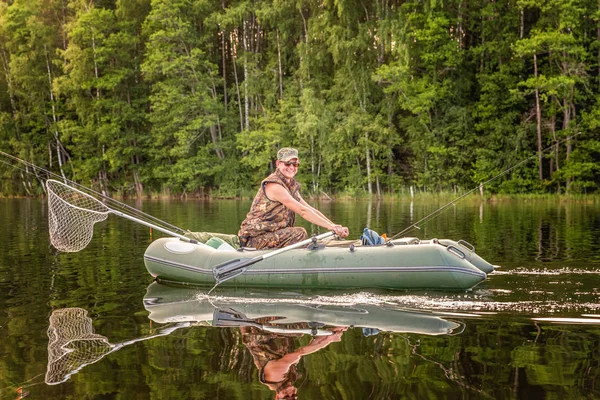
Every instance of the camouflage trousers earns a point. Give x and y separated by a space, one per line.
278 239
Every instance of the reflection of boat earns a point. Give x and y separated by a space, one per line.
403 264
168 304
73 344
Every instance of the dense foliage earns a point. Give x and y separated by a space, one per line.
195 97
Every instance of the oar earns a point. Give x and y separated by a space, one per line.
232 268
229 317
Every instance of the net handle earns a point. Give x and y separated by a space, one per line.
52 182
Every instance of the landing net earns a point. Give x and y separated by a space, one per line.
71 216
72 344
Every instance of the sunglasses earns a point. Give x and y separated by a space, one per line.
292 163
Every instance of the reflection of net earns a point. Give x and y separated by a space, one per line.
72 344
71 216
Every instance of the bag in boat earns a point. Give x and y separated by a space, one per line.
371 238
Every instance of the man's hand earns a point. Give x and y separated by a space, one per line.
340 230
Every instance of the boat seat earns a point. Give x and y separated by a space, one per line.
219 244
407 240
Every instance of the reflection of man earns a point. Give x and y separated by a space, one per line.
276 357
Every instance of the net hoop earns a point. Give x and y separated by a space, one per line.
72 344
71 216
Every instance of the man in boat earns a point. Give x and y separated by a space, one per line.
270 221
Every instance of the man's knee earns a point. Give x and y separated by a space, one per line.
300 233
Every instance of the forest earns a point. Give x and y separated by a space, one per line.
194 97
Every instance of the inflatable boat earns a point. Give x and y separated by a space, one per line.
408 263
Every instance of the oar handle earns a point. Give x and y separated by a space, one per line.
231 269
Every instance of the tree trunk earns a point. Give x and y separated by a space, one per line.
306 47
522 23
359 169
215 130
555 159
572 113
368 159
5 57
215 141
319 163
538 116
246 99
312 162
224 67
59 147
95 63
139 187
237 83
279 64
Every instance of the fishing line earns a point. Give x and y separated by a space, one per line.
83 188
423 220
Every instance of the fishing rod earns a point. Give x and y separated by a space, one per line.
83 188
506 171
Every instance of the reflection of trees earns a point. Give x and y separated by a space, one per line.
567 360
538 230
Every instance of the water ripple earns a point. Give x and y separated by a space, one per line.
545 271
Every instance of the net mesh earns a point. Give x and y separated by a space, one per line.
71 216
72 344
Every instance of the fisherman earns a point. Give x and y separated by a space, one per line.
270 221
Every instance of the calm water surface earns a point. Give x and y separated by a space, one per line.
92 325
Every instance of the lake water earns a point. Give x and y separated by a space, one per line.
92 325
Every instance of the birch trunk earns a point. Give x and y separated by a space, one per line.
368 161
59 147
538 116
279 64
95 63
139 187
522 23
246 99
555 159
224 60
224 64
237 83
572 114
312 162
215 130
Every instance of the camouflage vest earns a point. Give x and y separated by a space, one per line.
267 215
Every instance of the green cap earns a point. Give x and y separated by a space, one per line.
286 154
